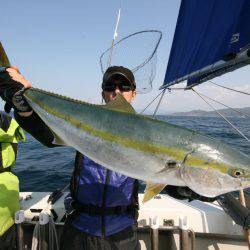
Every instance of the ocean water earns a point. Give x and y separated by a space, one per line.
46 169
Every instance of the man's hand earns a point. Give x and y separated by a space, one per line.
12 87
16 76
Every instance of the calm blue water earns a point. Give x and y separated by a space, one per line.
45 169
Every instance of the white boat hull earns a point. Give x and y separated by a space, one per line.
212 227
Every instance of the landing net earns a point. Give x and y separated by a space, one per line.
137 52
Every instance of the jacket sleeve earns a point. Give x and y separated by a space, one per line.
34 125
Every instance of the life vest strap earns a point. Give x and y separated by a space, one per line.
3 170
96 210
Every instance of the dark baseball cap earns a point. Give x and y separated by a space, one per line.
118 71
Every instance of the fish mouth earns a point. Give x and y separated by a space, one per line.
245 183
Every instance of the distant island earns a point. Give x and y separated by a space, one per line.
226 112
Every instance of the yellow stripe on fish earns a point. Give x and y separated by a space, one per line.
177 154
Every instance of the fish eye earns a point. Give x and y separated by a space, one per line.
171 164
237 173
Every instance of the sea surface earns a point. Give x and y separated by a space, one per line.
45 169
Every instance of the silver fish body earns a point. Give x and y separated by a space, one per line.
141 147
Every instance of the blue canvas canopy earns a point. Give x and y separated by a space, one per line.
211 38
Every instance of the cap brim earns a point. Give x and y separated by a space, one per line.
117 73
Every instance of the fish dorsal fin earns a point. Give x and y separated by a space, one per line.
151 190
120 104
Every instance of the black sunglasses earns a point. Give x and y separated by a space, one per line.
124 86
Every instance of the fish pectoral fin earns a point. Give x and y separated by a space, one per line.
151 190
120 104
58 141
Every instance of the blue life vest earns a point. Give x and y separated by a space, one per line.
94 185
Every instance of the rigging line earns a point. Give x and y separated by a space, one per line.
158 105
150 103
242 92
240 112
221 115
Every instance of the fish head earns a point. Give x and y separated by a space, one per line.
214 170
216 179
242 175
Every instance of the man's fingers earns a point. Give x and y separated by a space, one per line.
19 78
16 76
15 68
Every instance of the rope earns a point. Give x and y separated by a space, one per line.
150 103
53 231
240 112
35 237
39 233
233 126
158 105
235 90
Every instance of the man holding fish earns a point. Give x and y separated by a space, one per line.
103 204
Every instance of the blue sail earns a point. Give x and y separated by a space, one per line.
211 38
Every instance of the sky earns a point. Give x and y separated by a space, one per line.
57 44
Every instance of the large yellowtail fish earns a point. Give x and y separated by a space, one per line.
141 147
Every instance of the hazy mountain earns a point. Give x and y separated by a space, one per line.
226 112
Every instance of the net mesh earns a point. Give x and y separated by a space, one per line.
137 52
